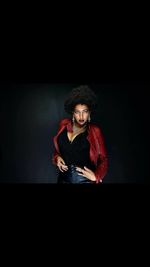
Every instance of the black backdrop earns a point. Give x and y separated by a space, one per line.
29 117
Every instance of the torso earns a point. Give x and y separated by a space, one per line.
74 148
72 136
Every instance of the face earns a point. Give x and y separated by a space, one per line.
81 114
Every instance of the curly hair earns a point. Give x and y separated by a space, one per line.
80 95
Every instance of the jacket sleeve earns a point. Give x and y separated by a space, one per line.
54 157
102 163
56 154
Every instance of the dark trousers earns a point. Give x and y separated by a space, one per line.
71 176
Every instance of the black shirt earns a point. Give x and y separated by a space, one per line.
77 151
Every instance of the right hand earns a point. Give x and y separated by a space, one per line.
61 164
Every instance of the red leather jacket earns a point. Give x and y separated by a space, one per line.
98 153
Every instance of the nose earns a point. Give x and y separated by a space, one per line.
81 116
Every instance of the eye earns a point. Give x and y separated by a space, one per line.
76 112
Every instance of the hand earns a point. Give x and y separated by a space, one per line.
86 173
61 164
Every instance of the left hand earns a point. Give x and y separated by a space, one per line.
86 173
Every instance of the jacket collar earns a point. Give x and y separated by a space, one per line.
69 126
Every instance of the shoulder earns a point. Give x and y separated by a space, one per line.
95 127
97 132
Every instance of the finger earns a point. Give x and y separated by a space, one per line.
79 169
84 175
81 174
60 165
60 168
87 169
62 162
64 165
65 168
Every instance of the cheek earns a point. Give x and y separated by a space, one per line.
76 116
86 116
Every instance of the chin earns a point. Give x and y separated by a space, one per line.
82 123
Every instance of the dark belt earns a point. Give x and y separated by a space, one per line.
72 176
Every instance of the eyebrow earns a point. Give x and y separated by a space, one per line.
82 109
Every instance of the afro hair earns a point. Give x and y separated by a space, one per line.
80 95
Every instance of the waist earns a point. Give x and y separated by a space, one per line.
72 176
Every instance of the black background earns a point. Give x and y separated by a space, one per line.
30 111
105 55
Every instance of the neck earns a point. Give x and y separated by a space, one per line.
75 124
78 128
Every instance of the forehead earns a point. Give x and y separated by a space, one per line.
81 107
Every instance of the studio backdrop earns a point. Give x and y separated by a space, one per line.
29 119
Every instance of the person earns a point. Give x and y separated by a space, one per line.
80 153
